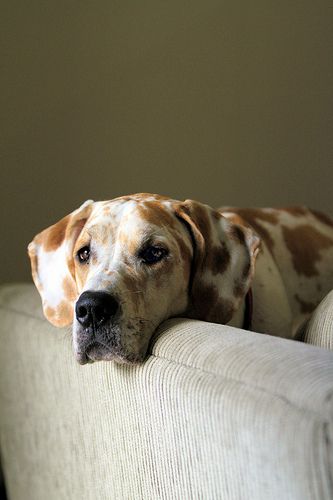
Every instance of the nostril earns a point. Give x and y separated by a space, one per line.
81 312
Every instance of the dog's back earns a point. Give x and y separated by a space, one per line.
300 243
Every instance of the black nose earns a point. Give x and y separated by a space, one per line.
95 308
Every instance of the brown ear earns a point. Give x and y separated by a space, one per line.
223 265
52 265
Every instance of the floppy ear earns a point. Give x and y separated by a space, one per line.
51 255
223 265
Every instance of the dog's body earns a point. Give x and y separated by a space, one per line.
121 267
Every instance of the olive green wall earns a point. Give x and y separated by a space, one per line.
227 102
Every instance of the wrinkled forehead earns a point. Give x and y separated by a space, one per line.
146 216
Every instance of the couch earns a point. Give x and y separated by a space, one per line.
214 413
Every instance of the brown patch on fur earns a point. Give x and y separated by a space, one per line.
217 259
208 306
237 234
325 219
248 214
69 288
202 220
239 290
216 215
60 316
253 217
53 237
34 265
155 213
305 244
222 312
306 307
141 197
296 211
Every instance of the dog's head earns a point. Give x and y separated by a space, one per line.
117 269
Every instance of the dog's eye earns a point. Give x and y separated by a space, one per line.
152 255
83 255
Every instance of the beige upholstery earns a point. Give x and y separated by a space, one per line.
214 413
319 329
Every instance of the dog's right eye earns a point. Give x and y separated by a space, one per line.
83 255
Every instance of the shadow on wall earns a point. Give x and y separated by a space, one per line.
197 100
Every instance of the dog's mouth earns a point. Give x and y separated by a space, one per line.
97 351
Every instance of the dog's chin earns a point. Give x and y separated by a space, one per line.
99 352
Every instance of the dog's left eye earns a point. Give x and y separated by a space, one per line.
152 255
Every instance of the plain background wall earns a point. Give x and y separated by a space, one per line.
223 101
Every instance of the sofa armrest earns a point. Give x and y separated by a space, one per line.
214 412
318 330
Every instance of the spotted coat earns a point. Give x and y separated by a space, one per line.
209 260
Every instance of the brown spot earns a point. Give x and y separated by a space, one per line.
53 237
217 259
296 211
306 307
69 288
257 213
222 312
34 264
305 244
61 315
237 234
202 220
239 290
216 215
155 213
253 217
325 219
208 306
141 197
50 313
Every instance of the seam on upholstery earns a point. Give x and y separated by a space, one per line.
248 385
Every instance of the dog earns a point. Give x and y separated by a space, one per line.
117 269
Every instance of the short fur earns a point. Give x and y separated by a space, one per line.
213 258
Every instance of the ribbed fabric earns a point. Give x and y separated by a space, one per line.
319 330
213 413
